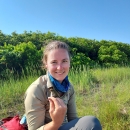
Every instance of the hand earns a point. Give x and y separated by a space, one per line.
57 110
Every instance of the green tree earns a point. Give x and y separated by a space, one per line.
111 55
79 59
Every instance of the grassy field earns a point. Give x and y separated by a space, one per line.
101 92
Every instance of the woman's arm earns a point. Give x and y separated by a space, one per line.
71 107
35 102
57 112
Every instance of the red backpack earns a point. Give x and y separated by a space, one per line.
11 123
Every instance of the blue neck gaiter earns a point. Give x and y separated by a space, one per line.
62 87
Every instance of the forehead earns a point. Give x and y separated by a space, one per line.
58 53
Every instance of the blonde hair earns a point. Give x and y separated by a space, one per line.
51 46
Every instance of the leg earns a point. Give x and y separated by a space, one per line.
84 123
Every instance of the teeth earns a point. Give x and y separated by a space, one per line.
59 73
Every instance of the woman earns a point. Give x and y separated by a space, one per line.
50 100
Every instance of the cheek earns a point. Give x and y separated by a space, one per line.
67 66
50 67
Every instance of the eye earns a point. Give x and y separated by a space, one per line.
65 60
53 62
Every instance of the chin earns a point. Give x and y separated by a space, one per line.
60 80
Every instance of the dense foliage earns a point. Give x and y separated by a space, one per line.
19 51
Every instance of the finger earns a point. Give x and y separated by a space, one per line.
55 101
52 106
61 102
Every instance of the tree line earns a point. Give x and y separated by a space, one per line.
19 51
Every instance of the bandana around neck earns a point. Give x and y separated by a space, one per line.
62 87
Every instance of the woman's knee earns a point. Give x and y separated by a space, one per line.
91 121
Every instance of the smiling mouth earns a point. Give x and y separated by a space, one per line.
59 73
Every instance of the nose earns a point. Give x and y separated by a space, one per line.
59 66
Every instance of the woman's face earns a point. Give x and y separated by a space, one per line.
58 63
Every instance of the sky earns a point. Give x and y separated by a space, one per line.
91 19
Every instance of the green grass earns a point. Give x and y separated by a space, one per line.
101 92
